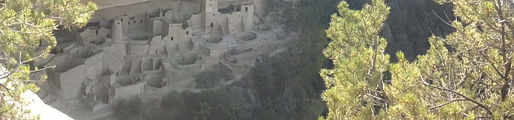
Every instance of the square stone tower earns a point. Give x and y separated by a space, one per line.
210 13
117 30
248 11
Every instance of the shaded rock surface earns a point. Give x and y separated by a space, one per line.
411 23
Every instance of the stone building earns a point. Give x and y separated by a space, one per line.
70 82
129 53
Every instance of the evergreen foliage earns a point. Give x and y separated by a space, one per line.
466 75
357 52
26 34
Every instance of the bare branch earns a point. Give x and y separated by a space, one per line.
7 89
451 101
32 59
463 78
442 20
18 31
376 97
459 94
470 109
493 65
5 76
480 117
24 23
498 8
44 68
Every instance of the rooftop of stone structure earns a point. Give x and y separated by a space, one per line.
102 4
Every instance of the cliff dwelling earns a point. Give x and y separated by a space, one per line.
150 47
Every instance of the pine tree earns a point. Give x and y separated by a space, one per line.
469 72
26 35
465 75
357 52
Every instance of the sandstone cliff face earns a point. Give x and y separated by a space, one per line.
411 23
